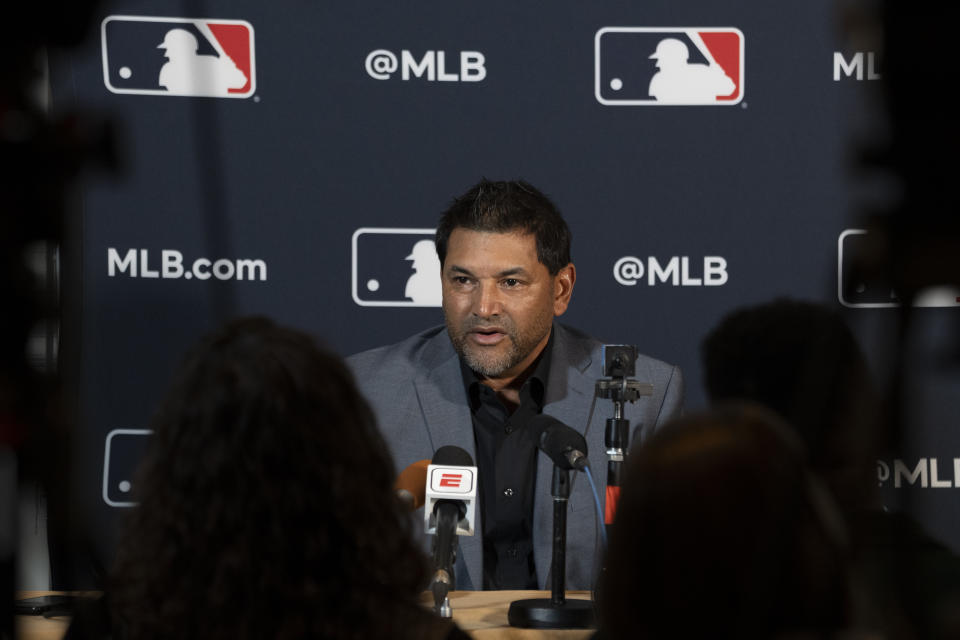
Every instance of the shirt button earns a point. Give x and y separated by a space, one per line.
512 552
508 429
508 492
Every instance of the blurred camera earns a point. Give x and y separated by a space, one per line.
619 360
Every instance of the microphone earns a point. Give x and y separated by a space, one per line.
568 450
411 484
564 444
451 492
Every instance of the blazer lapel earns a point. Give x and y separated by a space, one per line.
446 415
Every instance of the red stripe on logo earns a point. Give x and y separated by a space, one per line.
725 49
235 40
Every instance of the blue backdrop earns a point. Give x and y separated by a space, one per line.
301 192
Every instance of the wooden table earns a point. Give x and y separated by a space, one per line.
40 628
482 614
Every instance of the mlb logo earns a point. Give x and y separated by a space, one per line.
145 55
122 452
866 289
668 66
395 267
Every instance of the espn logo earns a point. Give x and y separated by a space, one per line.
453 480
450 479
146 55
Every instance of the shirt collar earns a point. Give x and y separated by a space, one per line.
534 387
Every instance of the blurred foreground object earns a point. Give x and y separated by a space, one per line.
723 532
39 159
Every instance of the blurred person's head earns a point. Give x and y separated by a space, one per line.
265 503
801 360
721 532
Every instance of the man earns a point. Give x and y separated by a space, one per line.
506 274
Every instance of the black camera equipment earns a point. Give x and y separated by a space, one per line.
619 363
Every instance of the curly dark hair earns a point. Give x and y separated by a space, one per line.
507 206
266 504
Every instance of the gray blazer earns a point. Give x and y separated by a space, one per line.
416 389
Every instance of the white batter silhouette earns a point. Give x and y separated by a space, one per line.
423 287
680 82
187 73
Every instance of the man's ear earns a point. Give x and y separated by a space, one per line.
563 288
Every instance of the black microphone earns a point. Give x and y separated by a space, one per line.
451 495
568 450
564 444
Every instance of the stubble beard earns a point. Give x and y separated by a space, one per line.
492 363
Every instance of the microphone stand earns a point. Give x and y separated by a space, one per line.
443 578
556 612
619 389
444 540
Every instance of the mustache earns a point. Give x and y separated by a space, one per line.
504 325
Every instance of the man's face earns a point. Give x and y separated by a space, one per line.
499 300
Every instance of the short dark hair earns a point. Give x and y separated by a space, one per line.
507 206
254 520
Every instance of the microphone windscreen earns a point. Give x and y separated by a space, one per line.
541 422
557 439
452 456
411 484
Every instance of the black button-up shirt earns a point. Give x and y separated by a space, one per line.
507 471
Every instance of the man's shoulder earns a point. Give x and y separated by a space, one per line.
585 354
577 343
420 349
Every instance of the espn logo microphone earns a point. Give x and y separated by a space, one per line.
447 482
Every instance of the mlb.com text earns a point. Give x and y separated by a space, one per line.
135 263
